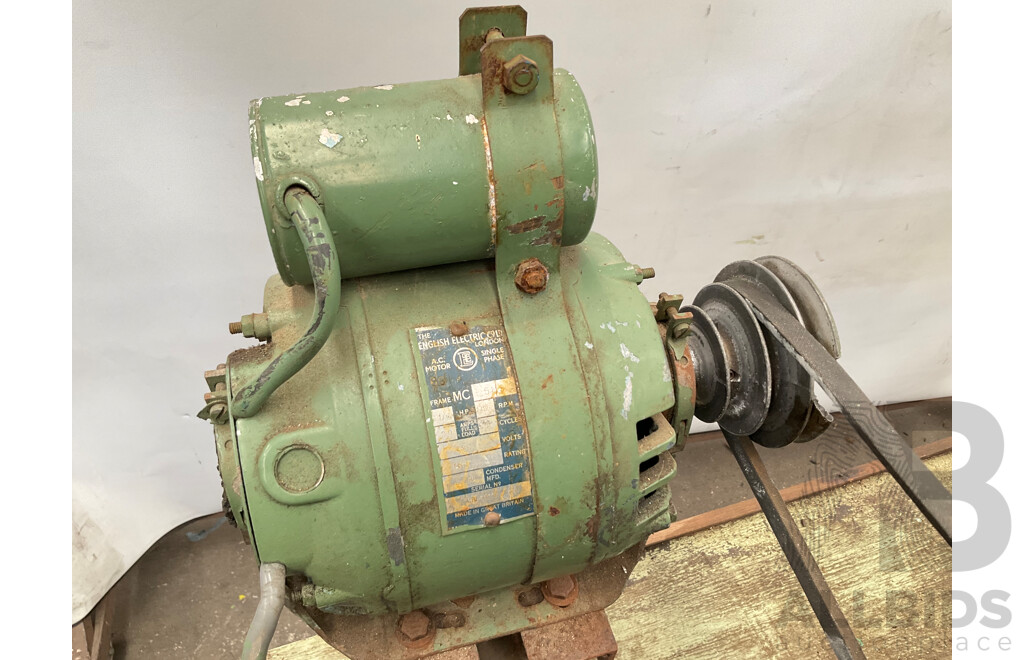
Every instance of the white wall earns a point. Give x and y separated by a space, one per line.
819 131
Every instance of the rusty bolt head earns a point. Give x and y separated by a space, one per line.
561 591
415 628
492 519
561 587
520 75
458 328
531 276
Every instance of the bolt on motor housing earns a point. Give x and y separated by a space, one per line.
483 408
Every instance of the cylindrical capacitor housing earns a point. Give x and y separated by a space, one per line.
402 172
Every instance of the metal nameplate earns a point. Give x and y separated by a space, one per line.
477 425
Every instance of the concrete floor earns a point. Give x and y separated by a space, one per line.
194 592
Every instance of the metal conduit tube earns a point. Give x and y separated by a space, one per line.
315 234
264 622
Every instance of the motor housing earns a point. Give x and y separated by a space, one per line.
372 472
459 391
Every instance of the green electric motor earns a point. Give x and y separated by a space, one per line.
459 391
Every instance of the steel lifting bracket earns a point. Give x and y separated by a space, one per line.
527 204
477 22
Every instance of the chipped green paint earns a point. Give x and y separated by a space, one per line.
435 195
369 535
401 171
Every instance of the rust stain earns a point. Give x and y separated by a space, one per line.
527 225
559 182
552 232
547 381
592 524
531 276
553 511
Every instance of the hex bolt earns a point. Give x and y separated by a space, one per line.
520 75
561 587
415 629
531 276
492 519
561 591
256 325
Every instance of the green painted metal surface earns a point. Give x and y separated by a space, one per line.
401 171
369 533
467 392
475 23
530 226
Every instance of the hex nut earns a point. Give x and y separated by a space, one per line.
520 75
531 276
415 629
561 591
561 587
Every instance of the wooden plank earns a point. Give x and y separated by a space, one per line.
313 648
92 637
790 494
728 592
